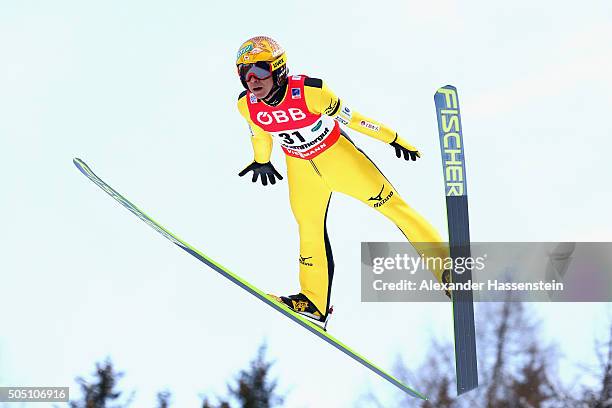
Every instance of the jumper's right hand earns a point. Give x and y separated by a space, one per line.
402 148
265 170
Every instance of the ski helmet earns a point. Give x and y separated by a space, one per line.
259 55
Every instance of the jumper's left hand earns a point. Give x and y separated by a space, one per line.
404 149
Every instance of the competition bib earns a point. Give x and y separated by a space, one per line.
300 132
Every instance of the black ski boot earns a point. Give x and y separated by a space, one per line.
301 304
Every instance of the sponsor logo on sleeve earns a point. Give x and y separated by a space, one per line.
346 111
333 107
296 93
341 120
369 125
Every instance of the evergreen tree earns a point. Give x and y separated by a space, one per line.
100 391
532 387
252 388
601 395
163 399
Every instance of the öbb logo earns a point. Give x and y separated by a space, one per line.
280 116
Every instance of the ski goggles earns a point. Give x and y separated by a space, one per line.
260 70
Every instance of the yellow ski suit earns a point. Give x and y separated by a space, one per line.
321 159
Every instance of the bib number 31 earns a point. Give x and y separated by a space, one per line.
288 140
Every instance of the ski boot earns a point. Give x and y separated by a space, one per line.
302 305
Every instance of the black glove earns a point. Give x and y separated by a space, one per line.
265 170
408 151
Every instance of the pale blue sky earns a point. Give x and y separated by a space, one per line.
145 93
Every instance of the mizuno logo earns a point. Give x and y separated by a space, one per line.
303 260
332 108
379 198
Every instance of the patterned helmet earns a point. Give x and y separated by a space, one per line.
262 49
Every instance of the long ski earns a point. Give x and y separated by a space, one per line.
453 165
308 325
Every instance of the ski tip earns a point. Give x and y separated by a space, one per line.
81 166
446 87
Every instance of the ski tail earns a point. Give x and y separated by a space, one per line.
308 325
455 183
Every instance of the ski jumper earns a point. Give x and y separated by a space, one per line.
321 159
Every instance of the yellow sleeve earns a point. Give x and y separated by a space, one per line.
321 99
260 139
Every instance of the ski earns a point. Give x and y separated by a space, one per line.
453 166
302 321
